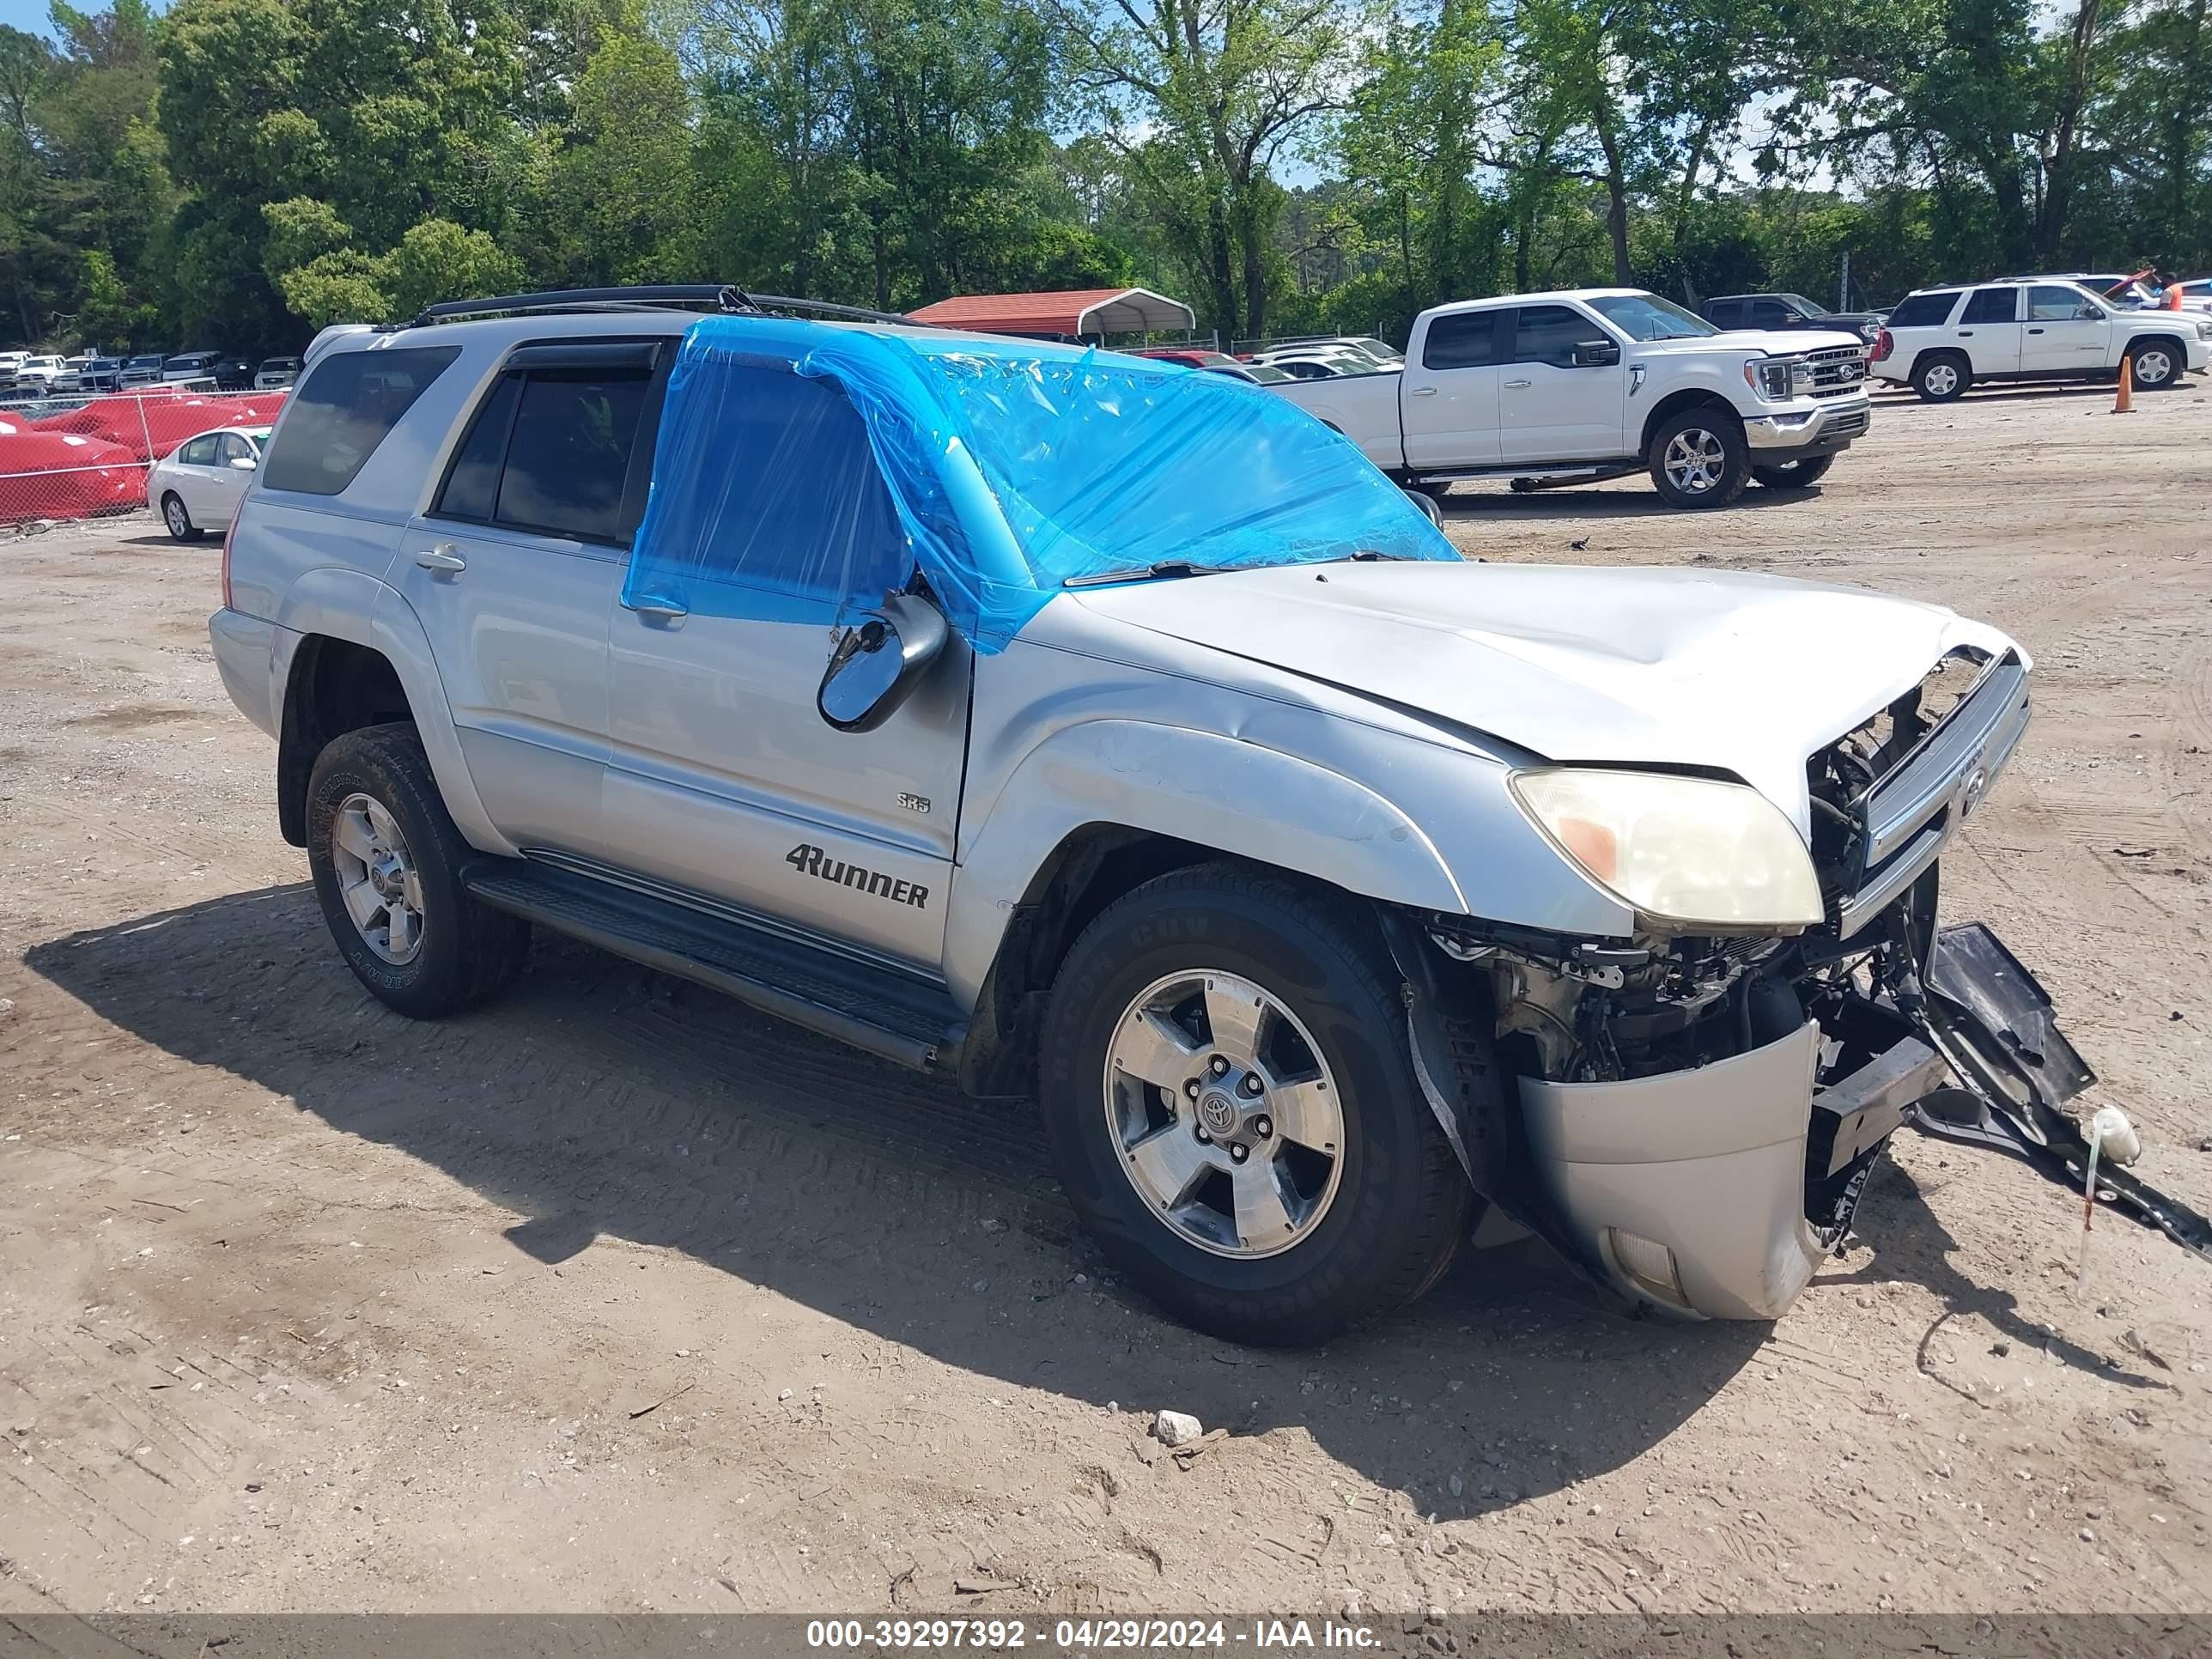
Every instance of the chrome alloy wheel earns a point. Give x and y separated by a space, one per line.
2153 366
377 879
1225 1113
1694 461
173 515
1941 380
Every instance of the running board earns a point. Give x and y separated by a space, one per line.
876 1009
1583 472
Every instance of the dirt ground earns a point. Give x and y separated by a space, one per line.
617 1297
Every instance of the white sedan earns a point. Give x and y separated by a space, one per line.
195 486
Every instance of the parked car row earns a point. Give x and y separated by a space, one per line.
24 375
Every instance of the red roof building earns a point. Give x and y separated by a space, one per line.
1075 312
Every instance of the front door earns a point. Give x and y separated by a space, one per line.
1448 400
773 532
514 571
1550 409
2066 331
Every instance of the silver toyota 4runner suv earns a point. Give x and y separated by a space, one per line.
1113 736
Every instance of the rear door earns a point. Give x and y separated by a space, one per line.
191 475
1989 330
1551 408
2059 339
515 567
777 532
227 480
1448 399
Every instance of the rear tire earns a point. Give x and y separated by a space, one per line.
1699 458
1942 377
1362 1204
178 519
1793 474
387 860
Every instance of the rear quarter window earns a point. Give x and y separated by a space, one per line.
1924 310
347 407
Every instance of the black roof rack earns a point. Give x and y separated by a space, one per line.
724 297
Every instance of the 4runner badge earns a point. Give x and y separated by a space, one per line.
813 862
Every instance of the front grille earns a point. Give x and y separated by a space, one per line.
1912 774
1836 370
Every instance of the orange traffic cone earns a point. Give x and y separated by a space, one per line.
2125 402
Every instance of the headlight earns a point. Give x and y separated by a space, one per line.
2204 331
1685 850
1775 379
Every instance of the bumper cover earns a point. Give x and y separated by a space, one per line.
1819 428
1709 1166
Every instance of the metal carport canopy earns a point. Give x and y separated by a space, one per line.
1075 311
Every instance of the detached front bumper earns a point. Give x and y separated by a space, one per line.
1691 1189
1808 428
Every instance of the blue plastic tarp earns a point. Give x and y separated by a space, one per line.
1002 469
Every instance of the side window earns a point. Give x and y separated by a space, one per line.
1770 313
1924 310
200 452
1549 334
2052 304
778 493
568 457
347 406
1725 313
232 447
1467 340
471 488
1991 305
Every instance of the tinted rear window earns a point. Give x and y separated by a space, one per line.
1924 310
569 459
346 408
1468 340
1993 305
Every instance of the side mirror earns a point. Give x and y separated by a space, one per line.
1596 353
244 463
2088 315
877 664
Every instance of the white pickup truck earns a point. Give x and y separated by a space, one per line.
1595 383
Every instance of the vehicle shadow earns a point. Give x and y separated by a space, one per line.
1638 501
2078 391
601 1100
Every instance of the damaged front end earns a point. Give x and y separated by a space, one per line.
1698 1115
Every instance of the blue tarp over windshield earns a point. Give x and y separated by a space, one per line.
1008 467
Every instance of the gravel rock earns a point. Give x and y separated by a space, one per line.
1176 1429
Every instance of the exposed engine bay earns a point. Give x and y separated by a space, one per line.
1904 1026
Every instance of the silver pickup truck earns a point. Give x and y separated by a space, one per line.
1114 737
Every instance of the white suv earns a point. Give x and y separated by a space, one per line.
1941 341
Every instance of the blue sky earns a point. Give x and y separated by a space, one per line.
31 15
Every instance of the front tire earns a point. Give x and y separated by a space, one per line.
1793 474
2154 366
1699 458
1233 1109
386 858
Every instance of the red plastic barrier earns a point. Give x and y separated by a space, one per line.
149 428
64 475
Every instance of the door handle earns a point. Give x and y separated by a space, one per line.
1965 334
1517 386
443 556
665 613
2035 330
1422 392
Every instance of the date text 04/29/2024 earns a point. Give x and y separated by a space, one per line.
1088 1635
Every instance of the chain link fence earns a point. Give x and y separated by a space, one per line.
88 454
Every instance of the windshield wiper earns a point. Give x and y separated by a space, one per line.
1144 572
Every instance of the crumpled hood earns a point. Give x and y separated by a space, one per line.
1639 666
